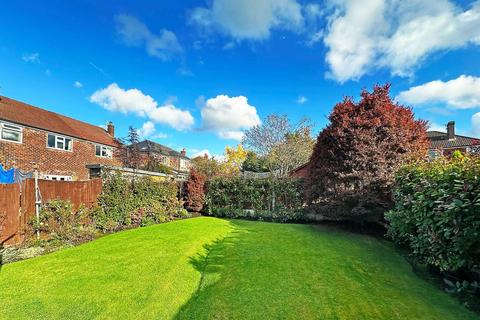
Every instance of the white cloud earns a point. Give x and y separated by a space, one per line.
135 33
172 116
398 35
116 99
460 93
160 135
200 153
147 129
31 57
302 99
249 19
476 124
77 84
228 116
231 135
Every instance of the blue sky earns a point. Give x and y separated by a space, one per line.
195 74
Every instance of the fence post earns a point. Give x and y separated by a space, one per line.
37 203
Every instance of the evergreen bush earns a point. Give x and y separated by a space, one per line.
437 212
276 199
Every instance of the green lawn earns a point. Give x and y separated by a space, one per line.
219 269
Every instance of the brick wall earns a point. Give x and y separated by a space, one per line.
50 161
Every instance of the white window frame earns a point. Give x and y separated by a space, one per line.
56 177
102 147
183 164
474 149
11 127
59 137
434 153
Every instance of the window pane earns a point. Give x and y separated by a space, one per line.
98 152
68 144
10 135
7 126
51 141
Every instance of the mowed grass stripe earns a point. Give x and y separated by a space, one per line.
208 268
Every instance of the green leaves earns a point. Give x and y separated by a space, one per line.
268 199
440 220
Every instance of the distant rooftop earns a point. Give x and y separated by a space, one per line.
439 140
150 146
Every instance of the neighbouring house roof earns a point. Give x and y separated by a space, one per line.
439 140
301 171
154 147
24 114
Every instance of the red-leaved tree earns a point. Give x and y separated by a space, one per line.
356 156
195 191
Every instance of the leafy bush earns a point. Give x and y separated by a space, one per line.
136 202
437 212
280 215
195 191
268 199
58 221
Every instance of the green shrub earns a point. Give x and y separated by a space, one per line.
264 199
265 215
437 212
136 202
59 222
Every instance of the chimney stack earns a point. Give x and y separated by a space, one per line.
111 129
183 152
451 130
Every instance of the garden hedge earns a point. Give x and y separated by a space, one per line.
128 202
275 199
437 212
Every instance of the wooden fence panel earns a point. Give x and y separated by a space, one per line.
10 214
21 209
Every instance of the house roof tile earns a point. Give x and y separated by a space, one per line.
150 146
439 140
24 114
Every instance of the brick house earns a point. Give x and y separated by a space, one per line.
445 143
177 161
60 146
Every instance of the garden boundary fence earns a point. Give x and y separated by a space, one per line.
17 202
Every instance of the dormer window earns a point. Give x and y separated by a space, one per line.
103 151
59 142
9 132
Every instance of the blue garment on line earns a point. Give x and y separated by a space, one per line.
6 176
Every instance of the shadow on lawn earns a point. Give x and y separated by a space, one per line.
214 263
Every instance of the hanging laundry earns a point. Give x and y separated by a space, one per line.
6 176
19 176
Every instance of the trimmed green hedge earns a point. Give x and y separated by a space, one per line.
263 199
126 202
437 213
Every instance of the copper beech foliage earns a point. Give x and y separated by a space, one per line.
356 156
195 191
